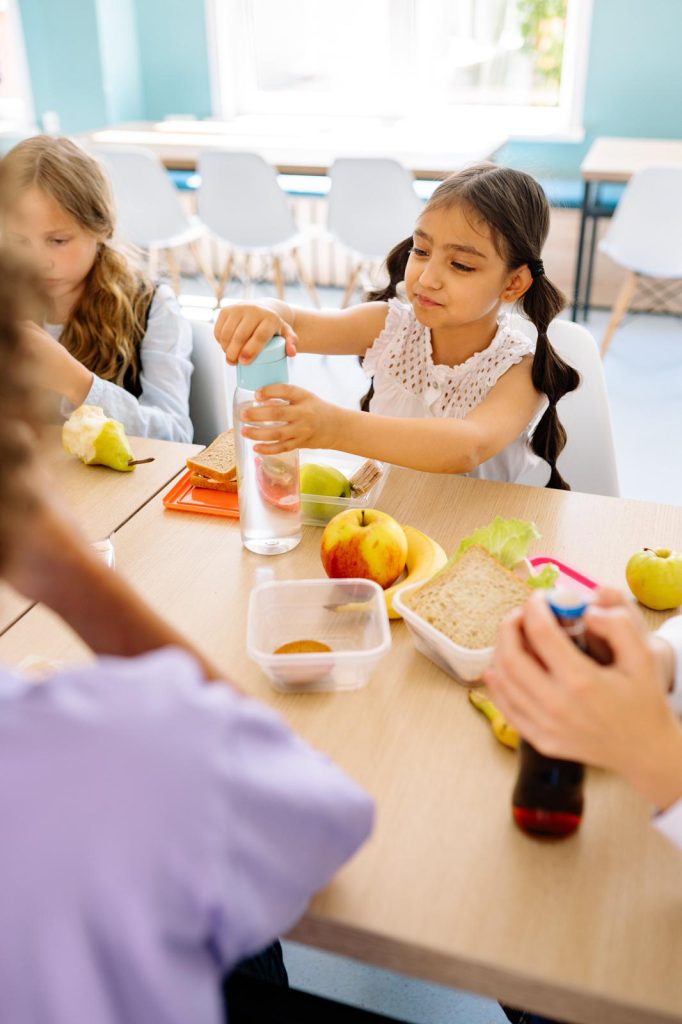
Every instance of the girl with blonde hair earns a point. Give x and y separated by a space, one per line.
110 337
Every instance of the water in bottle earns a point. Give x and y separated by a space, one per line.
268 485
548 795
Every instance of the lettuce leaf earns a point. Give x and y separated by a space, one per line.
546 578
507 540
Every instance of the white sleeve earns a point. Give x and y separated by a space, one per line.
670 823
293 819
162 410
671 631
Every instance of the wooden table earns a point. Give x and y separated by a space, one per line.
447 889
311 149
101 499
615 160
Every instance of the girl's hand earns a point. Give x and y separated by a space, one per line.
305 422
568 706
243 330
54 368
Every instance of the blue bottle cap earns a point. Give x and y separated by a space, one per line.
569 604
269 367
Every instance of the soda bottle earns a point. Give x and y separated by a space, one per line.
268 485
548 795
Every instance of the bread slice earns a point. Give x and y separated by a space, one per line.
198 480
218 461
467 600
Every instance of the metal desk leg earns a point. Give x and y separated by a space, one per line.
581 242
587 291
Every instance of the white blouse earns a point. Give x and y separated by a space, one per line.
162 410
408 383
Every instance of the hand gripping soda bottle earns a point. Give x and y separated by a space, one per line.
548 795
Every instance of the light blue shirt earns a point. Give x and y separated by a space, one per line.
162 410
155 831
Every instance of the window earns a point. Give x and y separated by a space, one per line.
15 103
519 63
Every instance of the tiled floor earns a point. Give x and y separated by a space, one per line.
644 379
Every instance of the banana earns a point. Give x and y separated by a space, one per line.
424 558
505 733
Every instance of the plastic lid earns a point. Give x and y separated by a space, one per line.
269 366
569 604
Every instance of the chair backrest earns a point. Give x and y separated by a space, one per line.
588 462
372 204
240 200
645 231
149 210
212 387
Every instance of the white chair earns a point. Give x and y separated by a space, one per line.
242 204
588 462
645 236
212 386
372 206
150 214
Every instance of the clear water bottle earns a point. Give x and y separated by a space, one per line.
268 485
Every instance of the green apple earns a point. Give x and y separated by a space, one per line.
654 576
364 543
317 478
97 440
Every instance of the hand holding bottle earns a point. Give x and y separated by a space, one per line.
568 706
243 330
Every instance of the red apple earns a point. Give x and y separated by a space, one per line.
365 543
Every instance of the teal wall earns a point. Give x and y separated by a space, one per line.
100 61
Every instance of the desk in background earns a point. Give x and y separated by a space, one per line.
447 889
318 144
611 160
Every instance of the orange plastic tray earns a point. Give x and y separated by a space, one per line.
185 498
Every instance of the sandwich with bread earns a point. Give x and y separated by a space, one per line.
216 467
467 600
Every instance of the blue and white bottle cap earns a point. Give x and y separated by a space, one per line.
569 604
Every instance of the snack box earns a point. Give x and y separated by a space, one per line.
467 664
349 615
318 509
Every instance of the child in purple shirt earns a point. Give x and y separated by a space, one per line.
156 830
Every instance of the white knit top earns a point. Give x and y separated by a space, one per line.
407 383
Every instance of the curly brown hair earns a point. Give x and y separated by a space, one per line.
106 327
21 405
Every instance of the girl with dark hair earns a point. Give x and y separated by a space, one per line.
455 387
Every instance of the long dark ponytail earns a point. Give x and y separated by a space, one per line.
515 208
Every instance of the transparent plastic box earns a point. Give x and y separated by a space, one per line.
318 509
349 615
465 664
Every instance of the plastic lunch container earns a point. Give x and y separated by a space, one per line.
347 614
318 509
465 664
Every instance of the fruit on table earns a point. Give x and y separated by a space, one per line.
317 478
97 440
654 576
276 479
505 733
424 558
364 543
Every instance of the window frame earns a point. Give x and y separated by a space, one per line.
233 74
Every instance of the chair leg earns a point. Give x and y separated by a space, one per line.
203 264
350 287
279 276
620 308
174 269
225 276
248 275
306 278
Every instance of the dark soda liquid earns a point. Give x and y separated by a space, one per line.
548 796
